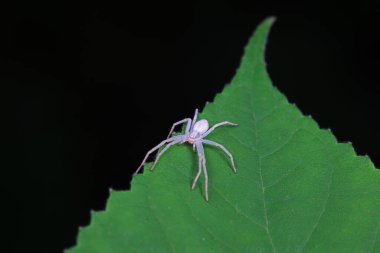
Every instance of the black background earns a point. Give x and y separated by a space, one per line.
87 89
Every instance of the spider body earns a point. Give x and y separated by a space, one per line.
199 128
194 135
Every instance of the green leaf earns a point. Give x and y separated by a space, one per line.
296 190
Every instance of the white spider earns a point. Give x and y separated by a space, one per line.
195 132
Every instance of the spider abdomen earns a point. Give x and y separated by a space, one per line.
201 126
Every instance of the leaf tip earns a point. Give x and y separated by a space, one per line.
270 20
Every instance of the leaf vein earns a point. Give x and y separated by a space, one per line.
289 139
375 237
207 230
238 211
171 246
325 204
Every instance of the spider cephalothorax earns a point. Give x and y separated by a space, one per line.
194 134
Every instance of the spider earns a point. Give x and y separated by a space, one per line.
195 133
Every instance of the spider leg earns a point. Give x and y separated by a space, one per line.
202 153
194 119
188 120
206 177
200 158
163 151
213 143
218 125
152 150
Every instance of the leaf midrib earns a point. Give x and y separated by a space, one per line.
254 118
261 178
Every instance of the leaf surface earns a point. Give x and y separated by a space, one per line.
296 190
